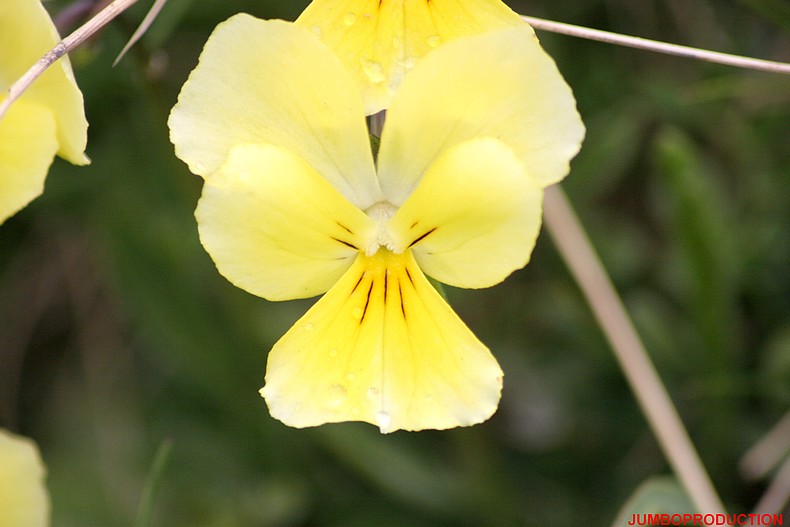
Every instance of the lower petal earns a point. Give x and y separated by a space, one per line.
382 347
27 148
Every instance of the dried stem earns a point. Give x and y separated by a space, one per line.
658 47
144 25
768 452
778 493
64 46
652 396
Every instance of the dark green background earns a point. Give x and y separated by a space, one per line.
117 333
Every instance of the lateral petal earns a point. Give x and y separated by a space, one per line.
458 93
382 347
474 217
271 82
27 147
26 34
274 227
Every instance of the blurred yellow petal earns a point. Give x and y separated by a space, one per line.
23 496
271 82
379 41
382 347
26 34
274 227
27 148
474 217
500 84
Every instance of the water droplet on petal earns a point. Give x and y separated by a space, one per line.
374 71
383 419
316 31
372 392
333 352
349 19
357 313
434 41
337 395
309 326
351 377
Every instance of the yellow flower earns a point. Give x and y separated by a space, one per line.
294 206
23 495
379 41
48 119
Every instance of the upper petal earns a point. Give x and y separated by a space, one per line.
379 41
382 347
23 496
474 217
26 34
27 147
274 227
271 82
500 84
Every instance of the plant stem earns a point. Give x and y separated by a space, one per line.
585 266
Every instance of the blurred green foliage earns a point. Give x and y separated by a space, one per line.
117 334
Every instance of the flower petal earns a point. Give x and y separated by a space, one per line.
474 217
382 347
459 92
26 34
274 227
27 148
271 82
23 496
380 41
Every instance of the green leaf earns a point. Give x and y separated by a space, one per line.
700 219
152 484
658 495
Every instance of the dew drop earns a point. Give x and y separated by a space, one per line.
383 419
316 30
351 377
357 313
309 326
337 395
372 392
349 19
434 41
333 352
374 71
